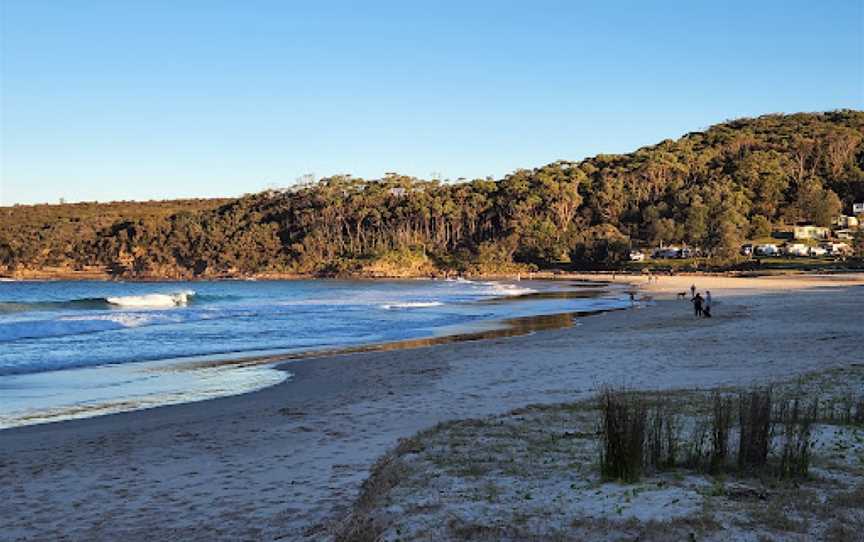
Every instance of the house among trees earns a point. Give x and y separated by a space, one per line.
809 231
845 222
847 234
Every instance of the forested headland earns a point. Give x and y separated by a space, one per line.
712 189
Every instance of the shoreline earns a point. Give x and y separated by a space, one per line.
221 369
282 461
283 362
495 329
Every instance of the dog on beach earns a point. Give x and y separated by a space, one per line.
682 295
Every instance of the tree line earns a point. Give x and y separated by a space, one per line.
712 189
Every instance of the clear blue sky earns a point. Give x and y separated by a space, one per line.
160 99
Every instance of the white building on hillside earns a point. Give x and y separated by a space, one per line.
846 222
809 231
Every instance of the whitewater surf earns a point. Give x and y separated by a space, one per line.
152 300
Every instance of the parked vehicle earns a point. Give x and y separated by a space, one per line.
818 251
796 249
637 256
667 253
766 250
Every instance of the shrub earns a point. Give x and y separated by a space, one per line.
846 410
721 423
695 447
797 438
663 437
623 417
754 416
847 406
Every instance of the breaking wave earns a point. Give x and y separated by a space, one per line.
507 289
177 299
154 300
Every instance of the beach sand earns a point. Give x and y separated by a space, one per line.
666 286
281 462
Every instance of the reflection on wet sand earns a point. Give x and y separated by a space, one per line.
583 293
505 328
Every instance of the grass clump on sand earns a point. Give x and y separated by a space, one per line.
551 472
639 436
754 418
797 420
721 425
623 419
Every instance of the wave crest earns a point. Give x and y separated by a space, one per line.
177 299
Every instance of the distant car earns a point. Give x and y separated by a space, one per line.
747 250
667 253
818 251
766 250
636 256
797 249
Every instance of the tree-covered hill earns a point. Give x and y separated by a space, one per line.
711 189
38 236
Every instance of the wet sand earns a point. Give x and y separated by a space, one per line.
280 462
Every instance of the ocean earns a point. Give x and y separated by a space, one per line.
79 349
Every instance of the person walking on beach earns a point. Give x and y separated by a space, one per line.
706 310
692 290
697 304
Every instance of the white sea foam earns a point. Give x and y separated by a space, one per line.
493 288
506 289
79 324
176 299
92 323
411 305
123 319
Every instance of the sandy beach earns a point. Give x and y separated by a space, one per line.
280 463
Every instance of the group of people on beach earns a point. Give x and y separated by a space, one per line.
701 305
